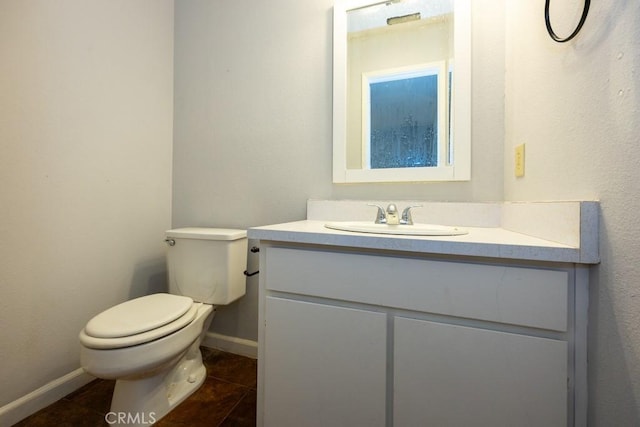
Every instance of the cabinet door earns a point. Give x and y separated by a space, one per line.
324 365
448 375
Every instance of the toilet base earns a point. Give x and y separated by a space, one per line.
144 401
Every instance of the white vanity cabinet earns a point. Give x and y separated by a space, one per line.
362 337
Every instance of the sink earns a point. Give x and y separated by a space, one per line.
408 230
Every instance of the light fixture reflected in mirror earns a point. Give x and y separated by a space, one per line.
404 18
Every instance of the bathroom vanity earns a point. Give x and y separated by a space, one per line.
484 329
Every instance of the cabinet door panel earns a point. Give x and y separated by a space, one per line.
448 375
324 365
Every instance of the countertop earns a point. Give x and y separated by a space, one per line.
493 242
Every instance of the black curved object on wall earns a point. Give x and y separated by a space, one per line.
552 33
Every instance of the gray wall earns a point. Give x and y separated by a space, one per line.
85 174
253 140
253 121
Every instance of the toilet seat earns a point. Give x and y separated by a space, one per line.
138 315
138 321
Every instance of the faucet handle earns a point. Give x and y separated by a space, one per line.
406 215
381 216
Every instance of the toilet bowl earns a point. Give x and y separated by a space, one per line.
151 345
119 360
153 376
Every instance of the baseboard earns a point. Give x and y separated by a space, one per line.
235 345
51 392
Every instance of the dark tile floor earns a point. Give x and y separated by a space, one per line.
226 399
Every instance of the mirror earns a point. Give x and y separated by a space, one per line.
401 91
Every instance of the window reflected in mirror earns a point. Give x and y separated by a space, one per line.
395 65
401 111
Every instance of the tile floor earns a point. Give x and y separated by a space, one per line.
226 399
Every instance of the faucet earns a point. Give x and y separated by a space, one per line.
406 215
381 216
390 215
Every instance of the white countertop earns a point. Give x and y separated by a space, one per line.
491 242
563 231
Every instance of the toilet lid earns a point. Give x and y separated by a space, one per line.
145 337
138 315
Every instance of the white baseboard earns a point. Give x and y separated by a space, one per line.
235 345
51 392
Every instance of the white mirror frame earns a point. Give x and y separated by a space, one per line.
461 105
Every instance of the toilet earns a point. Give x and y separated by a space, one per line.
151 345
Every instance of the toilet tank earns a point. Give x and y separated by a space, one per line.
207 264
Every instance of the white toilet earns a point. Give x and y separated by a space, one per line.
151 344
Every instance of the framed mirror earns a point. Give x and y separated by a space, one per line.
401 91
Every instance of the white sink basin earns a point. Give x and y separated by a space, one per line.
408 230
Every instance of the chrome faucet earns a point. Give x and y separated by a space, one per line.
406 215
390 215
381 216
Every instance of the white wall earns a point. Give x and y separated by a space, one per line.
252 141
577 108
85 172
